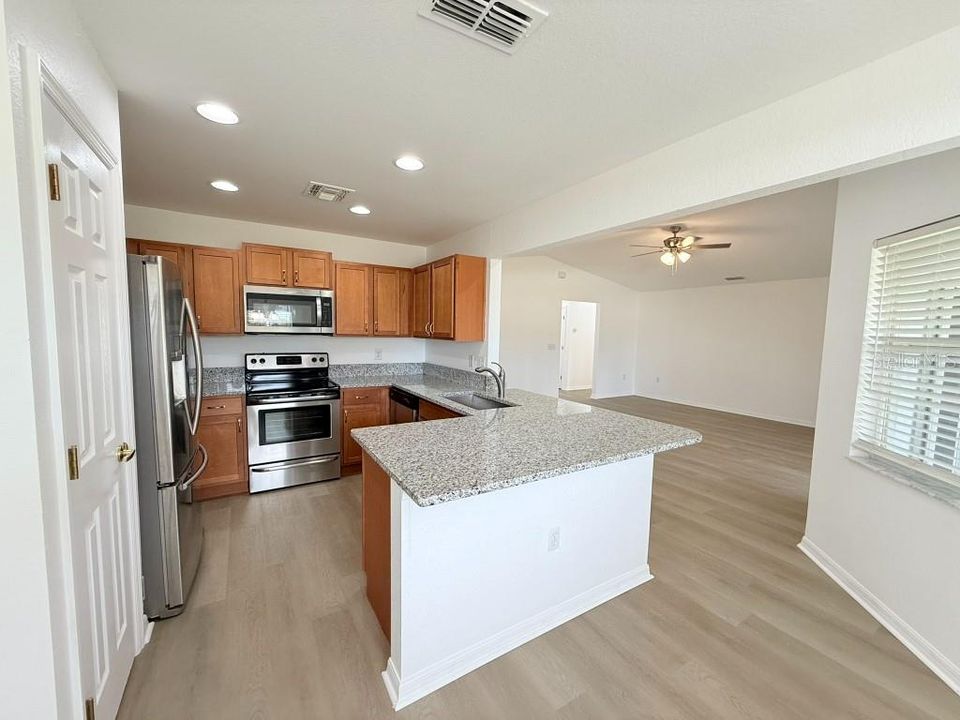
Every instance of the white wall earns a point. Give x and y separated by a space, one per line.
902 546
577 344
752 349
26 685
169 226
178 227
39 641
530 325
902 105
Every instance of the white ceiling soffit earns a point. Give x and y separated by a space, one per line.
335 91
779 237
502 24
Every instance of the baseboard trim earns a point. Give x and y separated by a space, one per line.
939 663
405 691
732 411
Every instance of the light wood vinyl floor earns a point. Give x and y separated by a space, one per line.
736 624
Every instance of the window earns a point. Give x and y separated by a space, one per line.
908 399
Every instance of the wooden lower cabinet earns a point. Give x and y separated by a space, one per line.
362 407
223 433
432 411
375 525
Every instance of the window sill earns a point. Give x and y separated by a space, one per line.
931 486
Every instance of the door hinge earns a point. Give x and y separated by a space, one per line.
73 462
89 709
53 170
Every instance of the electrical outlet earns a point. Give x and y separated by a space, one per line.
623 377
378 354
551 346
658 378
553 539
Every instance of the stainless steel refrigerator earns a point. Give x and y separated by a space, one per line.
167 386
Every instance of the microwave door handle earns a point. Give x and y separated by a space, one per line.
195 335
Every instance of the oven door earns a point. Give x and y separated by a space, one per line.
292 430
287 310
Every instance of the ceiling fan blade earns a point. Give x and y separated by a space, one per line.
713 246
652 252
647 246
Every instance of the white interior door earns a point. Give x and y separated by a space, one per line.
87 300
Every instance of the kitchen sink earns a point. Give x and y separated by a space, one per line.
478 401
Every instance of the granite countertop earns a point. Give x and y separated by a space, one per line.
541 437
223 381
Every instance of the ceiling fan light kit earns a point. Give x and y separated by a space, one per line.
674 251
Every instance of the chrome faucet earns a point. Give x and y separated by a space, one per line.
499 375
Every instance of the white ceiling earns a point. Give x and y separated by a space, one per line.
334 91
779 237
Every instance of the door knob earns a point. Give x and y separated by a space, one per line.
125 452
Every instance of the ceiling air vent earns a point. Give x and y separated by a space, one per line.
500 23
734 278
323 191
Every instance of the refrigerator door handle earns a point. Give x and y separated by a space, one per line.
185 485
195 335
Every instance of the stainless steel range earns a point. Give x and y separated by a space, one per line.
293 420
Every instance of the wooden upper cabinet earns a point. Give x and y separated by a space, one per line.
386 301
421 301
442 299
406 302
217 284
353 285
179 255
312 269
470 298
449 299
266 265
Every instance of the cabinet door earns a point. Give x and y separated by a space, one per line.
216 275
421 301
386 301
224 438
441 293
432 411
352 299
357 416
180 255
312 269
266 265
406 302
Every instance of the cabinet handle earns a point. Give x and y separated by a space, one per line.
239 426
296 277
426 329
366 326
216 407
376 326
283 276
360 397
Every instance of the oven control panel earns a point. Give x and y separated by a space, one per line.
287 361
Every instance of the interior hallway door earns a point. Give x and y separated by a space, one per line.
87 302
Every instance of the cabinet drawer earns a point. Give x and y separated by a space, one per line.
364 396
230 405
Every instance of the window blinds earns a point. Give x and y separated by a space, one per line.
908 399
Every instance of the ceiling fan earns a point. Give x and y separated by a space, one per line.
676 250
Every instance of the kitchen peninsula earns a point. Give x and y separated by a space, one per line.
484 531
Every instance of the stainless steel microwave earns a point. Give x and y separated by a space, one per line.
291 311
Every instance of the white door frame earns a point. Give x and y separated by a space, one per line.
37 82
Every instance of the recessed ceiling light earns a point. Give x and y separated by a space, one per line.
218 113
360 210
224 186
410 163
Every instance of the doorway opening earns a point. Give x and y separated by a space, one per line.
578 329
